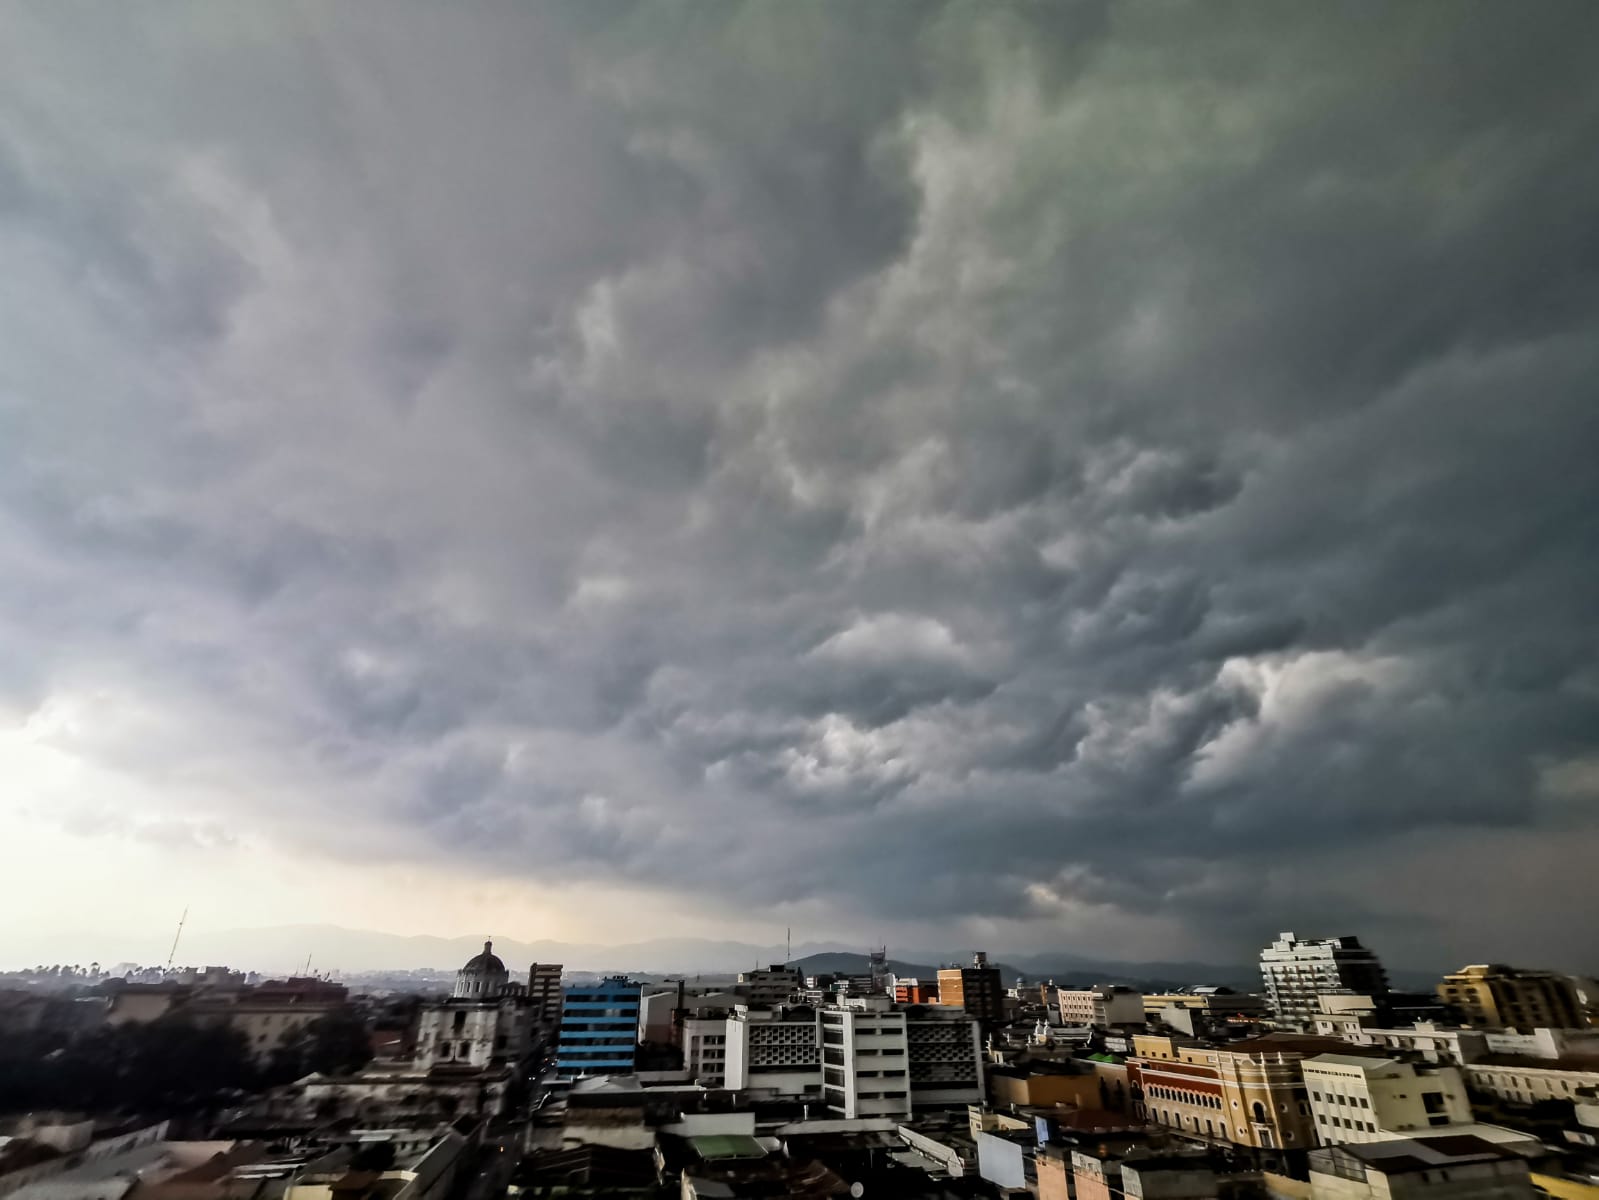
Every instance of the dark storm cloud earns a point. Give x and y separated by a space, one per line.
1040 463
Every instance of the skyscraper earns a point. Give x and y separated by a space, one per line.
1297 971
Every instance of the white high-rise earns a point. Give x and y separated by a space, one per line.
1297 971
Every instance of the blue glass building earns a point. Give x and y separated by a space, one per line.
599 1028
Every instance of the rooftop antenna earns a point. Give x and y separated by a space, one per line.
788 936
173 953
306 973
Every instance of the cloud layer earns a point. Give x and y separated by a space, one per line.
1122 472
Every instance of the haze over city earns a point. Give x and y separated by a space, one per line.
1108 479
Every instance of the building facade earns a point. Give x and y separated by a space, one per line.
487 1021
777 1050
599 1027
544 990
1359 1099
1297 971
976 989
1494 996
1101 1006
775 984
1251 1093
1457 1167
1522 1080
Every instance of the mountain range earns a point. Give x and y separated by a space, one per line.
284 948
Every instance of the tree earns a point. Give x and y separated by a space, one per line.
336 1043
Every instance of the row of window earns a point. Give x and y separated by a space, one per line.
1346 1101
1349 1123
1200 1098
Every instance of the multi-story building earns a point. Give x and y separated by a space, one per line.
544 990
1251 1093
775 985
1523 1080
1296 971
883 1061
705 1047
1491 995
774 1049
1102 1006
1434 1044
1359 1099
1452 1167
599 1027
977 989
865 1070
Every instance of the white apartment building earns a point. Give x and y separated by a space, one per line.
879 1061
778 1050
705 1049
1297 971
1354 1099
865 1068
1101 1006
1435 1044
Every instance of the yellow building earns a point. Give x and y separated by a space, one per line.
1494 996
1250 1093
1021 1086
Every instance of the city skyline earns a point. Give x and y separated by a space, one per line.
1105 478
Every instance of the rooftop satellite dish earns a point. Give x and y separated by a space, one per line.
857 1189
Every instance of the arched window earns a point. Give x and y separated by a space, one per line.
1260 1111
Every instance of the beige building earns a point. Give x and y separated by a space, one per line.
1357 1099
1022 1087
1251 1093
1529 1080
1101 1006
1494 996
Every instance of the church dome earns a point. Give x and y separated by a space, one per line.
483 978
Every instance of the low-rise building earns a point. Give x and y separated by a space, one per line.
1358 1099
1031 1087
1458 1167
1143 1175
1523 1080
1431 1041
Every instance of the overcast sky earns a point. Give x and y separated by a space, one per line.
1038 476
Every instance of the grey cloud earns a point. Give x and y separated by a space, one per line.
1019 462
